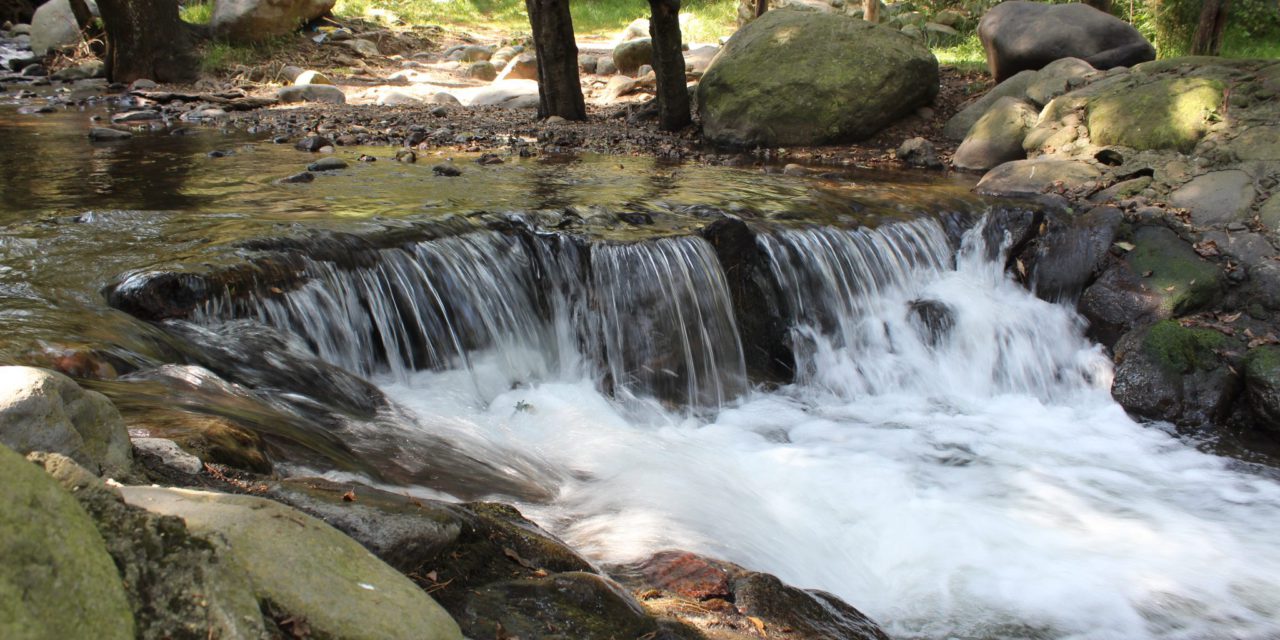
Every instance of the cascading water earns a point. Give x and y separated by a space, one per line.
949 459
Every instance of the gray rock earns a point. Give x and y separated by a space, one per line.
1020 35
1117 302
312 77
327 164
252 20
800 78
84 71
398 98
143 115
298 178
475 53
1071 252
311 93
54 26
606 67
698 59
918 152
522 67
1262 386
1121 190
103 134
57 580
481 70
446 99
366 48
587 63
1033 177
629 56
1055 79
1216 198
142 84
305 567
639 28
167 453
313 143
997 137
958 126
510 94
1269 213
1257 143
43 410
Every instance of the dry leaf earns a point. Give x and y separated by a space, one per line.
1207 248
1147 274
757 623
349 496
1231 317
1123 246
511 553
1171 287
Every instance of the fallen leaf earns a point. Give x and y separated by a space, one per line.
511 553
1231 317
1171 287
1147 274
1207 248
1124 246
349 496
757 623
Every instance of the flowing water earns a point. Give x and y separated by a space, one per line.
947 457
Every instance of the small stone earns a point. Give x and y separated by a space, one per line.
313 144
312 77
482 70
145 115
280 140
555 120
918 152
489 158
327 164
440 112
219 153
407 156
142 84
105 134
446 99
311 93
446 170
168 453
298 178
364 157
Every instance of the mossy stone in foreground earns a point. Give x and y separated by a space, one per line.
1262 381
1180 349
1182 279
56 579
796 77
1172 113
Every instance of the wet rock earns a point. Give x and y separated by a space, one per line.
311 93
1022 35
327 164
176 584
34 70
446 170
482 70
57 580
918 152
313 143
141 115
933 320
1216 198
726 601
253 20
748 98
1036 176
406 156
1262 386
1117 302
1175 373
167 453
997 136
103 134
298 178
303 566
564 606
1071 252
42 410
630 55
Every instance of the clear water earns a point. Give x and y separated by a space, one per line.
961 477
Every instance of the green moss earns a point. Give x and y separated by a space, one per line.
1263 363
1184 281
1182 349
1172 113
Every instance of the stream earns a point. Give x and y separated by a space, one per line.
564 333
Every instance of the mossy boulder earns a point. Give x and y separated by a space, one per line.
1183 280
1262 386
42 410
802 78
1182 349
56 580
1167 113
575 605
997 136
1171 372
304 567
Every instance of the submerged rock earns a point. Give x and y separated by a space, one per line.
56 580
42 410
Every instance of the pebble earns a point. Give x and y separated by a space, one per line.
298 178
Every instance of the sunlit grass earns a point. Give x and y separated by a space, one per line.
708 20
1238 44
196 12
968 55
219 55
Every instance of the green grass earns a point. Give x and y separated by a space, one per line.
196 12
708 20
1236 43
968 55
220 56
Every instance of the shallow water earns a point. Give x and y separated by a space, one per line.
972 481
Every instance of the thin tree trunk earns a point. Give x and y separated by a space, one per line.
871 10
668 65
1213 19
761 7
146 39
559 89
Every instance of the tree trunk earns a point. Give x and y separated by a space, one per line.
559 89
1213 19
871 10
1100 5
146 39
761 7
668 65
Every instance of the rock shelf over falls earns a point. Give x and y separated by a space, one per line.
686 319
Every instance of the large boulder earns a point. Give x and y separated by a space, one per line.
305 567
252 20
1016 87
1020 35
41 410
800 78
56 580
54 26
1168 113
997 137
629 56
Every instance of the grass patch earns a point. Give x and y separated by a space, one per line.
968 55
1238 43
708 20
196 12
219 56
